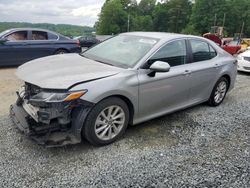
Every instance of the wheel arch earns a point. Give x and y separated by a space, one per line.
129 104
58 49
228 79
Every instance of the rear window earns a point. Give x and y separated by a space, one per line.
202 51
52 36
213 53
39 35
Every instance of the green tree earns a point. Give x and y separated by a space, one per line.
209 13
160 17
126 3
113 18
141 16
237 13
142 23
203 15
180 16
146 7
172 16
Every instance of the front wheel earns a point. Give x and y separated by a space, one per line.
219 92
106 122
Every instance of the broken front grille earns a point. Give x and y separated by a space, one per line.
31 90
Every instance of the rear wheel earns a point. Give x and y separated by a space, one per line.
61 51
219 92
106 122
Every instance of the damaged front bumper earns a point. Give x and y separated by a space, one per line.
52 124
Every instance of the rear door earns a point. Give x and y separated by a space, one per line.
42 43
14 50
204 68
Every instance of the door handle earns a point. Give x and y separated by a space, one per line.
216 65
187 72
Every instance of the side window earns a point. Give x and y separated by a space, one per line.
52 36
19 35
213 53
174 53
39 35
202 51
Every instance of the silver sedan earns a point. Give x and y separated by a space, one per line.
128 79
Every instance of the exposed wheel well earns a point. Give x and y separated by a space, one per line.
228 79
130 106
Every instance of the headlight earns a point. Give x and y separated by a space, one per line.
239 57
58 97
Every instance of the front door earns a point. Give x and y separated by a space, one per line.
165 92
14 50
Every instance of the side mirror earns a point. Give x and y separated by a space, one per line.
159 66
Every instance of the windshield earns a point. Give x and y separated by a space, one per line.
121 51
234 43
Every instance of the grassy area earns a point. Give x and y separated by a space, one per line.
65 29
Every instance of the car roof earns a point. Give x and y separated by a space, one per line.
162 35
31 28
36 29
28 28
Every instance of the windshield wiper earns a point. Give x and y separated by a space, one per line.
103 62
106 63
82 54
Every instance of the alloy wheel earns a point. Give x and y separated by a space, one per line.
220 92
109 122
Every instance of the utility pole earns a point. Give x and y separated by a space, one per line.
242 28
127 8
215 19
224 20
128 21
177 20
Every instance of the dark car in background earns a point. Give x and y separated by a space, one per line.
87 41
18 46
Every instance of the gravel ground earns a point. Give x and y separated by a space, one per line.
198 147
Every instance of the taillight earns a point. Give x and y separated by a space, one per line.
78 43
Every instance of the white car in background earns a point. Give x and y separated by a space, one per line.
244 61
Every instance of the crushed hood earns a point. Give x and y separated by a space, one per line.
63 71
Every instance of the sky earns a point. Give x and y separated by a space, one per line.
75 12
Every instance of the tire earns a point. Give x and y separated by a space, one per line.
219 92
99 128
61 51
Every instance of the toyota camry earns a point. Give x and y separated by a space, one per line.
126 80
